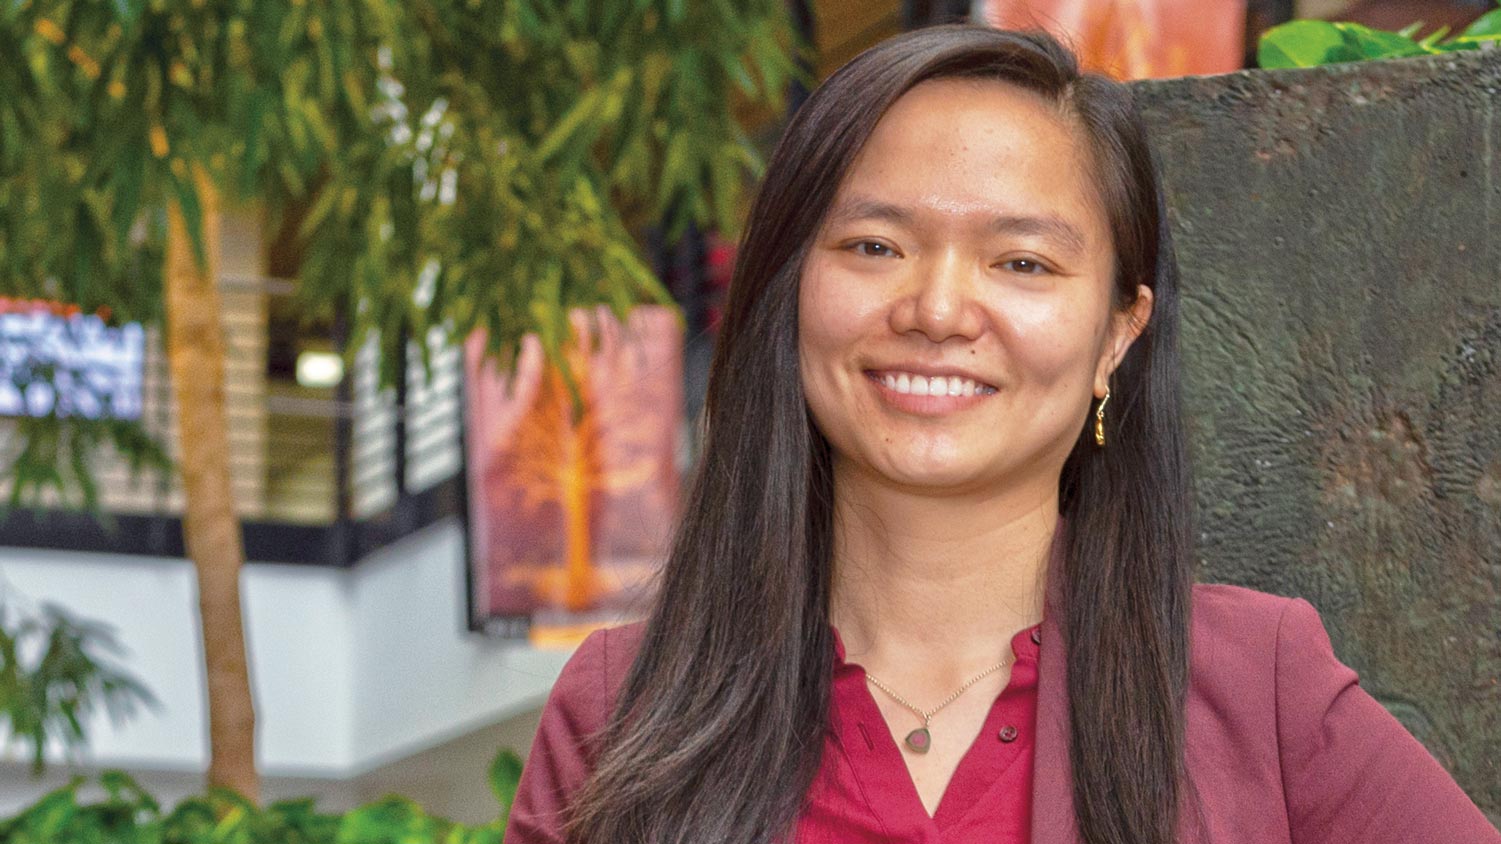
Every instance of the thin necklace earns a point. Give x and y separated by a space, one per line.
921 739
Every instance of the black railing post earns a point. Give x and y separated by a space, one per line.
403 352
341 535
803 23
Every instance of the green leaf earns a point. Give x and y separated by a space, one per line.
1303 43
735 66
676 164
1411 30
127 189
1462 43
724 173
192 215
1370 43
1308 43
505 776
571 123
1487 24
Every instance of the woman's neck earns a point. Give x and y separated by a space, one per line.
934 587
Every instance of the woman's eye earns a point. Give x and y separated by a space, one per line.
1026 266
873 249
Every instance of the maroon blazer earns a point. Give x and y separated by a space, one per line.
1284 746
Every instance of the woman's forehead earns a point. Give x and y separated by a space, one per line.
982 154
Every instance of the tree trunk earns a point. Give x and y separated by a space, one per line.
211 528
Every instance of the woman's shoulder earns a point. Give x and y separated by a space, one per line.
1226 600
1263 666
1224 611
563 750
1242 638
611 650
1268 691
582 699
592 677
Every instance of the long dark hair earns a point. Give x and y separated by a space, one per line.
719 726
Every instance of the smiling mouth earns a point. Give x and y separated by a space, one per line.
913 384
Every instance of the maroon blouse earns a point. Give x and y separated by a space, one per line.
863 793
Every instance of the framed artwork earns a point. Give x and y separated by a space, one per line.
572 492
1136 39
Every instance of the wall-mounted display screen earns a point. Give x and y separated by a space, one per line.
57 360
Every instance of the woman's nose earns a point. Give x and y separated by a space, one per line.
939 300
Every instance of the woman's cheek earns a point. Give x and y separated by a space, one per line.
1053 344
818 329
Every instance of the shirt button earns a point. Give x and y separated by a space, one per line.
1008 734
1037 637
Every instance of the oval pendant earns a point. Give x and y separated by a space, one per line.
920 740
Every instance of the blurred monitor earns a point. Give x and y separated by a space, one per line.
55 360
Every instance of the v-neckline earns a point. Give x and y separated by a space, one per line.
978 769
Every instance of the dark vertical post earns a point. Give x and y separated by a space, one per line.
341 538
915 13
165 526
802 22
687 279
472 621
401 414
691 290
1262 15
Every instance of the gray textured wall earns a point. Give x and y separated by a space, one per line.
1339 232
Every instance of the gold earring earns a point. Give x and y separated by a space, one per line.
1099 420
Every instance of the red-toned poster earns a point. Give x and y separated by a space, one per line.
1137 39
570 514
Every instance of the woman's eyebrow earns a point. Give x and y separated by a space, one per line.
1048 226
861 208
1053 228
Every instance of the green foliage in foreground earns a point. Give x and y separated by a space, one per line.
127 814
54 672
1309 43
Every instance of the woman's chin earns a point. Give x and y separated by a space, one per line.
935 478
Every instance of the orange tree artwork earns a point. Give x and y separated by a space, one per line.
578 444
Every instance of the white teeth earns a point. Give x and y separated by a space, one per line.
918 385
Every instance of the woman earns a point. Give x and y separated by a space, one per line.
935 579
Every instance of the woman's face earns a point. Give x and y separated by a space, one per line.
954 310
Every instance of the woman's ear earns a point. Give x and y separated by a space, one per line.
1125 326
